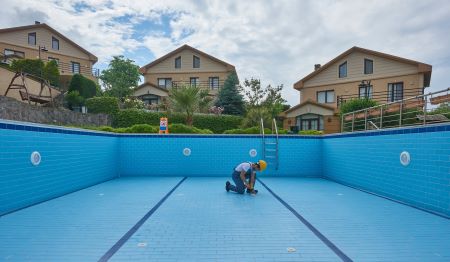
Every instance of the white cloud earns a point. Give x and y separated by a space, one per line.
277 41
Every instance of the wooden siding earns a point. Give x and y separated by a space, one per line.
206 64
43 38
410 82
382 67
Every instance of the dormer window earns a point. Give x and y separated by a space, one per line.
32 38
196 62
343 70
178 62
55 43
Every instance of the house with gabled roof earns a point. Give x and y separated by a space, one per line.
356 73
40 41
183 66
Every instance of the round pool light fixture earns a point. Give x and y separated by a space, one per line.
187 151
35 158
253 152
405 158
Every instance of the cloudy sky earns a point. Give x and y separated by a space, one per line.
276 41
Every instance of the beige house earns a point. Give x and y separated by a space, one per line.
356 73
40 41
183 66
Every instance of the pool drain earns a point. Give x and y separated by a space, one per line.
291 250
142 244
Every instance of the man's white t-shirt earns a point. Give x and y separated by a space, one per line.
243 167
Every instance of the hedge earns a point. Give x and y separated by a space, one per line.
148 129
217 124
310 132
253 130
100 104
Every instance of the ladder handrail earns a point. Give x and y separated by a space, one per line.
274 124
263 139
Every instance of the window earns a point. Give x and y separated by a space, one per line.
214 82
178 62
325 96
310 122
343 70
196 62
32 38
368 66
365 91
165 82
395 91
194 81
9 52
53 59
150 99
75 68
55 43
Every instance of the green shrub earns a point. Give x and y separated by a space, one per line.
86 87
251 130
106 105
143 128
217 124
131 102
184 129
74 99
310 132
356 104
105 128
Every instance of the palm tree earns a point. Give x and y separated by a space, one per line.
185 99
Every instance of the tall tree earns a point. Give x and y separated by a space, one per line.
230 97
273 101
262 103
185 99
121 77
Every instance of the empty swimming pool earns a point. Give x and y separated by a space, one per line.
97 197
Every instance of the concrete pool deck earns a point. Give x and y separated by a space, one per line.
195 219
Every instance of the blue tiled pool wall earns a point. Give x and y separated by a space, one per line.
74 159
69 162
372 162
214 156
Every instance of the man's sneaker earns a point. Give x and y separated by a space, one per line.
252 191
227 186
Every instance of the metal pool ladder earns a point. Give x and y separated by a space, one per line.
270 144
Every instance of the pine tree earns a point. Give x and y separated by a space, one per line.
230 98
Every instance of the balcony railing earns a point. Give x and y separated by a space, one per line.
217 85
381 97
67 68
417 110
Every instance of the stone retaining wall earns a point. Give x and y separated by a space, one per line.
11 109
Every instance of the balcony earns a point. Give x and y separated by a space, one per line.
212 86
67 69
381 97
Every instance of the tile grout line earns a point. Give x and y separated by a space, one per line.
316 232
133 230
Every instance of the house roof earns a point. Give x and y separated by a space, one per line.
422 67
43 25
182 48
152 85
305 103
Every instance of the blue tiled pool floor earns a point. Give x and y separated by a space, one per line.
199 221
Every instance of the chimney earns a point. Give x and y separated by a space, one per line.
316 66
37 22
